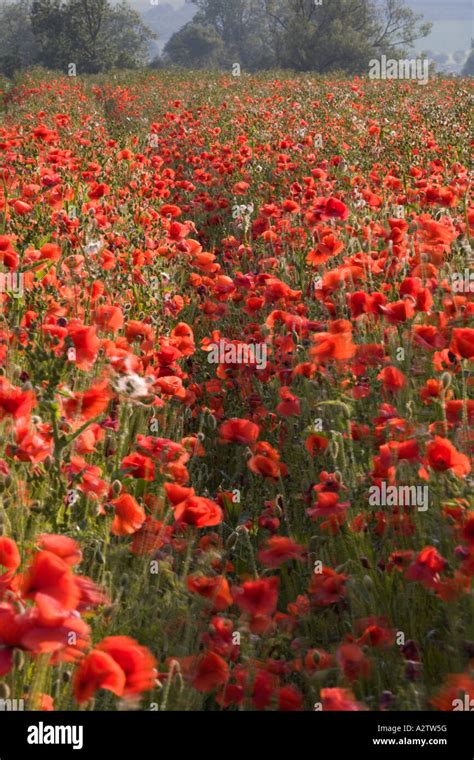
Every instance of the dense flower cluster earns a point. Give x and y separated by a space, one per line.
176 533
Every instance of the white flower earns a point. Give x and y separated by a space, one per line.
133 386
93 246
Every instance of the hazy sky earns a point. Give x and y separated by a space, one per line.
452 21
452 24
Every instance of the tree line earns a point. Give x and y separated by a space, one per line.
301 35
92 35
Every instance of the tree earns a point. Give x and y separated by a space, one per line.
17 43
334 35
238 30
131 37
468 68
89 33
306 35
86 35
341 34
398 27
48 26
197 45
243 27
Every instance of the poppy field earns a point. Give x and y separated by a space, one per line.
236 373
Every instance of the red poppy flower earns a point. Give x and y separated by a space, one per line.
456 687
337 345
339 700
136 661
216 590
89 404
239 431
16 402
63 546
9 555
315 443
289 405
129 515
353 662
98 671
462 342
257 597
327 504
279 549
50 582
327 587
198 511
392 378
137 465
108 317
290 699
266 462
468 528
427 567
211 671
442 455
50 251
86 344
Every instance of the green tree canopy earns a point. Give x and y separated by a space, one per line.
468 69
92 34
18 47
196 44
304 35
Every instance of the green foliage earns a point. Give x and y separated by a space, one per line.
468 70
197 43
18 47
92 34
296 34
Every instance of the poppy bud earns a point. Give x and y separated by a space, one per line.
412 670
124 580
410 650
116 487
18 660
334 449
386 700
446 379
232 540
4 691
461 552
212 420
